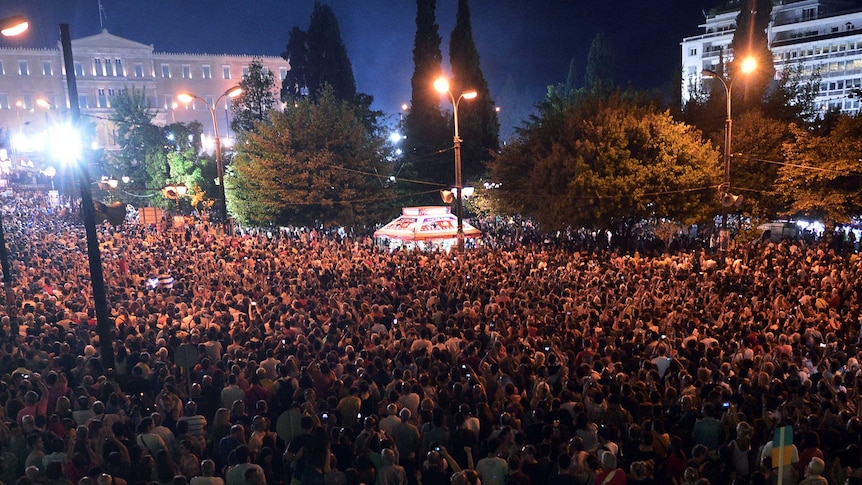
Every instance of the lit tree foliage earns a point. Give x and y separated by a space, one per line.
821 176
310 166
257 98
757 144
140 141
606 162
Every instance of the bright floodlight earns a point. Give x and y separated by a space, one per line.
395 137
234 92
185 98
12 26
749 64
441 84
65 144
44 103
470 94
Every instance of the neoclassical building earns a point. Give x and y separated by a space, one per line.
104 65
824 35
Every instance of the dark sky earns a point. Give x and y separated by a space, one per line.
528 42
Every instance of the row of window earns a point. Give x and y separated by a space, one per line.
825 87
102 99
840 104
791 54
109 68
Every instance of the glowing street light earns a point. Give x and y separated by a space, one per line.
441 84
747 66
12 26
230 93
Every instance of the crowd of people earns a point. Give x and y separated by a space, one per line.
321 360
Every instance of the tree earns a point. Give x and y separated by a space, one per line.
428 135
820 176
257 98
757 144
309 166
328 62
606 162
140 141
792 98
601 62
295 85
478 123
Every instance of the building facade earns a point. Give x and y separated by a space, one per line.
822 36
33 92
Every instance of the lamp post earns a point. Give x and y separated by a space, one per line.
442 87
230 93
104 326
176 192
747 66
9 27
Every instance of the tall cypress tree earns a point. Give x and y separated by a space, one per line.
478 123
426 128
601 65
295 84
328 62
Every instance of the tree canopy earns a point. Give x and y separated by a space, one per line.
257 98
820 174
316 164
606 162
318 58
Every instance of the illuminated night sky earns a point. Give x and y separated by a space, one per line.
528 42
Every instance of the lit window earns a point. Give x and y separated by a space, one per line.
118 68
282 73
166 71
103 100
210 101
97 67
4 101
187 72
23 69
47 70
79 69
83 101
109 68
225 72
207 73
139 70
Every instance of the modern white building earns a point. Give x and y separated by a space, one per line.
104 65
824 35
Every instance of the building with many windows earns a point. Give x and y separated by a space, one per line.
104 65
819 35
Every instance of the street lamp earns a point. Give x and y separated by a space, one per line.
230 93
747 66
12 26
176 192
442 86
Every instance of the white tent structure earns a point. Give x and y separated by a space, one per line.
424 227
